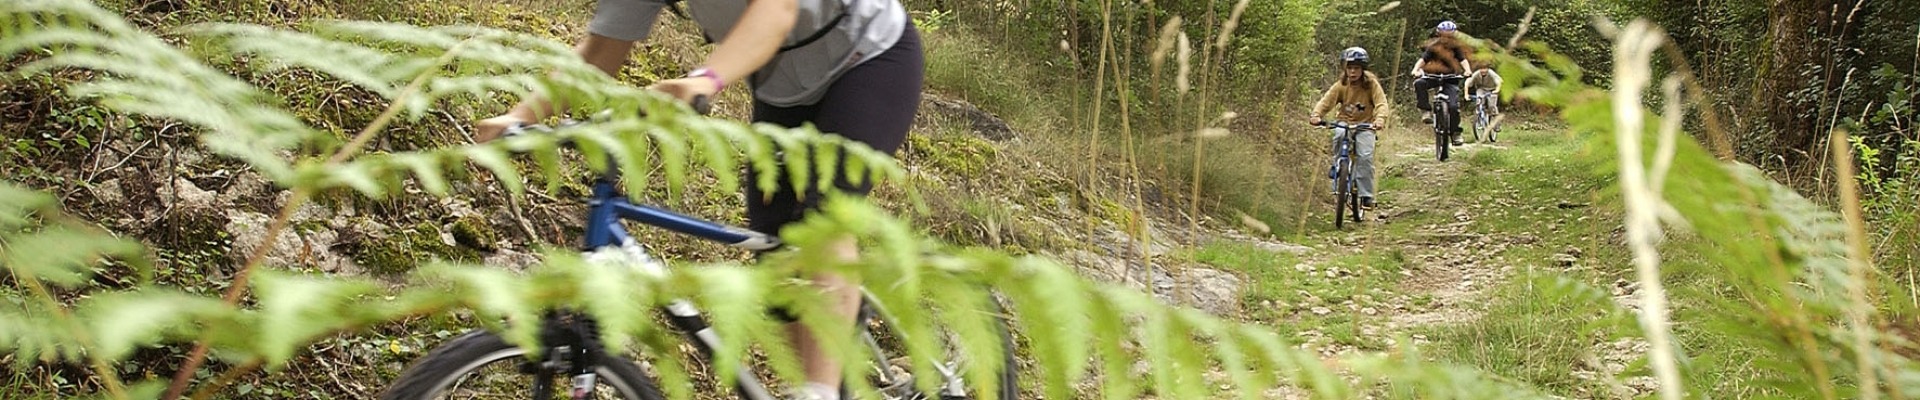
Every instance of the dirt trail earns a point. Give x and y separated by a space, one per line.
1447 265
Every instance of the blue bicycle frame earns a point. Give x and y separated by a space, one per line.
608 208
1344 149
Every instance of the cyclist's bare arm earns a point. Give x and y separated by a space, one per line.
754 39
750 45
605 53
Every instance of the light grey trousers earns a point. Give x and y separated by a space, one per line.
1362 162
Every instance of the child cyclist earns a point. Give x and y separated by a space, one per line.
1485 86
1360 100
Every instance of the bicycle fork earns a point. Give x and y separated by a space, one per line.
685 318
578 352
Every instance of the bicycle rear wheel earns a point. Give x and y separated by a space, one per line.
481 365
890 371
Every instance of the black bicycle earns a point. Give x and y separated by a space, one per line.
1443 113
482 365
1346 148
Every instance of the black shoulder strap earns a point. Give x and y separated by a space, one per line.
819 33
675 7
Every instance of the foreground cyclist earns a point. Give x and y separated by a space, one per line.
1445 54
850 68
1360 100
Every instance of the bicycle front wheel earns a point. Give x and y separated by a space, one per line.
480 365
893 374
1344 194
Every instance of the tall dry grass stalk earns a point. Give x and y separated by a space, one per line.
1169 35
1184 58
1525 22
1859 266
1226 32
1098 98
1138 226
1820 179
1632 65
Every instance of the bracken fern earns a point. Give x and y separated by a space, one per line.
1075 327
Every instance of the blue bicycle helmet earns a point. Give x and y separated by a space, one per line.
1355 55
1447 26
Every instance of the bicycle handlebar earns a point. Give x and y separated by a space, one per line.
701 104
1337 124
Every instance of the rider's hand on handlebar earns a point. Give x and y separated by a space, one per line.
1315 121
491 128
686 89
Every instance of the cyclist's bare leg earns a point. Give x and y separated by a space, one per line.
843 299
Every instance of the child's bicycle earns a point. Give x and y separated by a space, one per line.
1346 187
481 365
1481 120
1443 113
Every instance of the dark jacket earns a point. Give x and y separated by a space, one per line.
1442 55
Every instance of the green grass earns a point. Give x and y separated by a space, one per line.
1529 333
1284 296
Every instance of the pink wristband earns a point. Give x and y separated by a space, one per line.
718 84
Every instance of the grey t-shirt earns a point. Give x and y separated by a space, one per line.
795 77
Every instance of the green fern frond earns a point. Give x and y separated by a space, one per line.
32 336
144 75
120 322
295 310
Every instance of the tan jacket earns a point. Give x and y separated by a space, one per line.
1356 104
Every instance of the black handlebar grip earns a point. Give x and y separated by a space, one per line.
517 129
701 104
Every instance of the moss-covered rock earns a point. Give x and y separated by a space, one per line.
402 251
956 153
475 233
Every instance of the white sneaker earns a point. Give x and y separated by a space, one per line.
1426 117
813 391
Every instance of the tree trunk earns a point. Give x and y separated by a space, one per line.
1794 49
